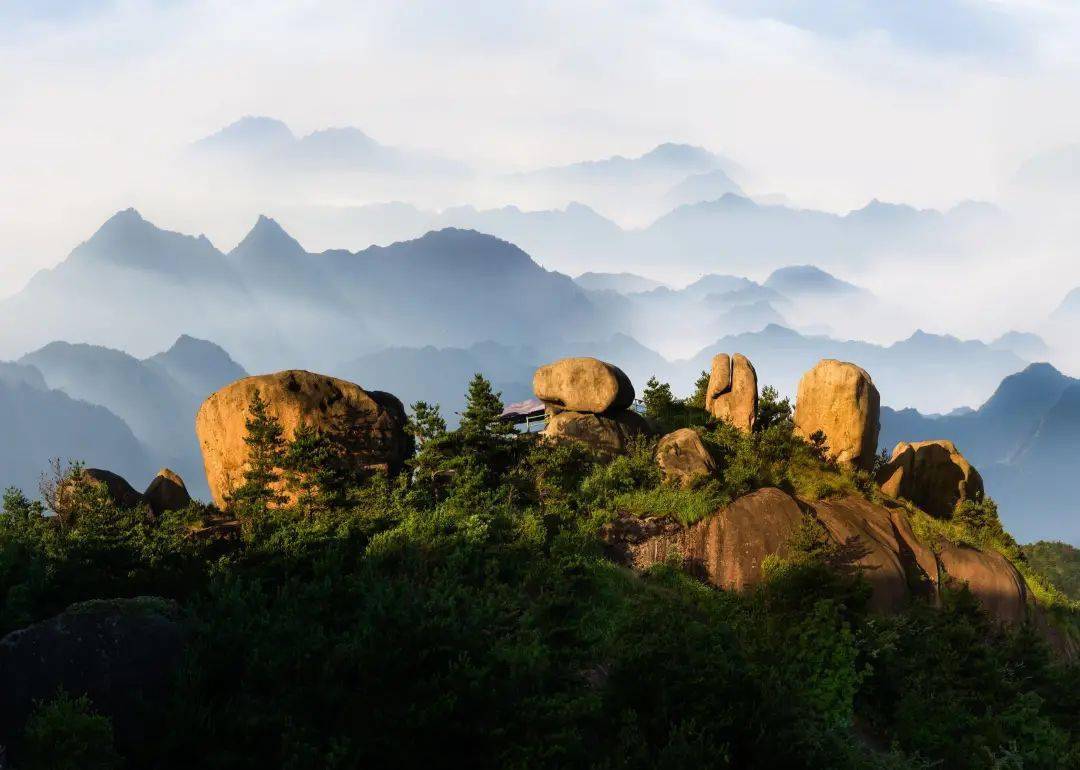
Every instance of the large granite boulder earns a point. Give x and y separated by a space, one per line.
583 385
866 541
725 549
373 422
683 457
732 394
121 653
606 434
839 400
931 474
991 577
167 492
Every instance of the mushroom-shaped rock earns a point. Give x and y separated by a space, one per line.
606 434
931 474
583 385
371 424
725 549
122 653
732 395
683 457
993 580
167 492
840 400
120 493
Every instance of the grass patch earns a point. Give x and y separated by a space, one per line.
687 506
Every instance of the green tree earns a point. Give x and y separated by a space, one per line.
482 409
427 422
660 403
64 733
771 409
701 390
266 457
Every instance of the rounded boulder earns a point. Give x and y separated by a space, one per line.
583 385
840 400
373 422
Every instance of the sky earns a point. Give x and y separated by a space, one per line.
831 103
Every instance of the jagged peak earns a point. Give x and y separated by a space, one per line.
265 236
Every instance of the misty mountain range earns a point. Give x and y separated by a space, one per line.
108 409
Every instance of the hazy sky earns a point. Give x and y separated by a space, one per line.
831 102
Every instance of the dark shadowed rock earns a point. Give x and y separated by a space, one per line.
166 492
868 542
606 434
931 474
991 578
122 494
121 653
684 458
725 549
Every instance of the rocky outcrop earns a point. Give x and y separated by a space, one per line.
726 549
867 541
121 653
990 577
589 401
840 400
606 434
167 492
372 422
683 458
116 487
931 474
732 394
583 385
876 541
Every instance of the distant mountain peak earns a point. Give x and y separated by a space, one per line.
679 154
268 238
809 279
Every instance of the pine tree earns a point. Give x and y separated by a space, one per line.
427 422
482 409
266 456
701 390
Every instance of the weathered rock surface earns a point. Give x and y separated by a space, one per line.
122 494
167 492
868 542
121 653
991 578
732 395
840 400
683 457
606 434
374 422
726 549
931 474
583 385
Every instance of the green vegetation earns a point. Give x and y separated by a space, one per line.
466 614
64 733
1059 562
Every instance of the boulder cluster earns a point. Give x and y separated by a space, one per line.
837 408
588 400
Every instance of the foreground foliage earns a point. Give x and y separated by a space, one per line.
471 616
